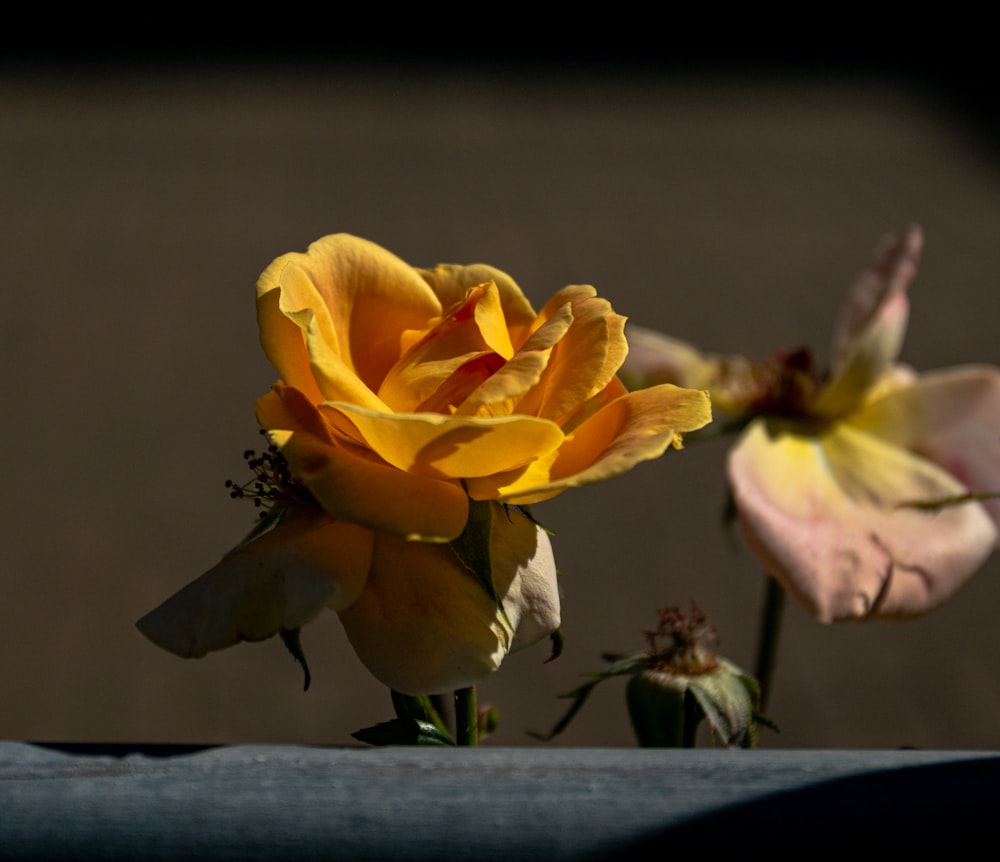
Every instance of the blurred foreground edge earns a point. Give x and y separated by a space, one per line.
126 801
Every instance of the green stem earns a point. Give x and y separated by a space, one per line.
767 645
466 717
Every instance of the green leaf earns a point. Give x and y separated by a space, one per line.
403 731
420 708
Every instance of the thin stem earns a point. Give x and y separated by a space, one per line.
466 717
439 702
767 645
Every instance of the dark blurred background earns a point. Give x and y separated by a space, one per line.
728 199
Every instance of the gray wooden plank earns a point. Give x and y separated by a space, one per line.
289 802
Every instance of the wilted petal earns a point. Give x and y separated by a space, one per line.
870 332
278 581
655 358
424 625
952 417
821 510
524 574
350 483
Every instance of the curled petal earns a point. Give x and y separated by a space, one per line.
341 306
870 332
585 360
352 484
424 625
951 417
451 281
278 581
821 509
634 427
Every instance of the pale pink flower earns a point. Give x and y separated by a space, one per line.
825 472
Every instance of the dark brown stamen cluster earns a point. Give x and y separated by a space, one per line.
787 384
272 483
682 642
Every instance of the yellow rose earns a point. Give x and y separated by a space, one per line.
409 398
407 391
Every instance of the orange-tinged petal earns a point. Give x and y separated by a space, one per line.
586 358
351 483
950 416
454 447
423 625
870 332
635 427
821 509
451 281
278 581
471 330
352 300
506 389
498 392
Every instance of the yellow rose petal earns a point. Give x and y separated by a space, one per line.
454 342
457 447
451 281
422 625
585 360
351 299
352 484
634 427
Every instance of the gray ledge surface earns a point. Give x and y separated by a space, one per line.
288 803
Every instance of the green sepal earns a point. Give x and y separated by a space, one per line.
472 547
558 642
667 707
290 638
620 666
271 520
489 721
942 502
524 510
656 708
403 731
